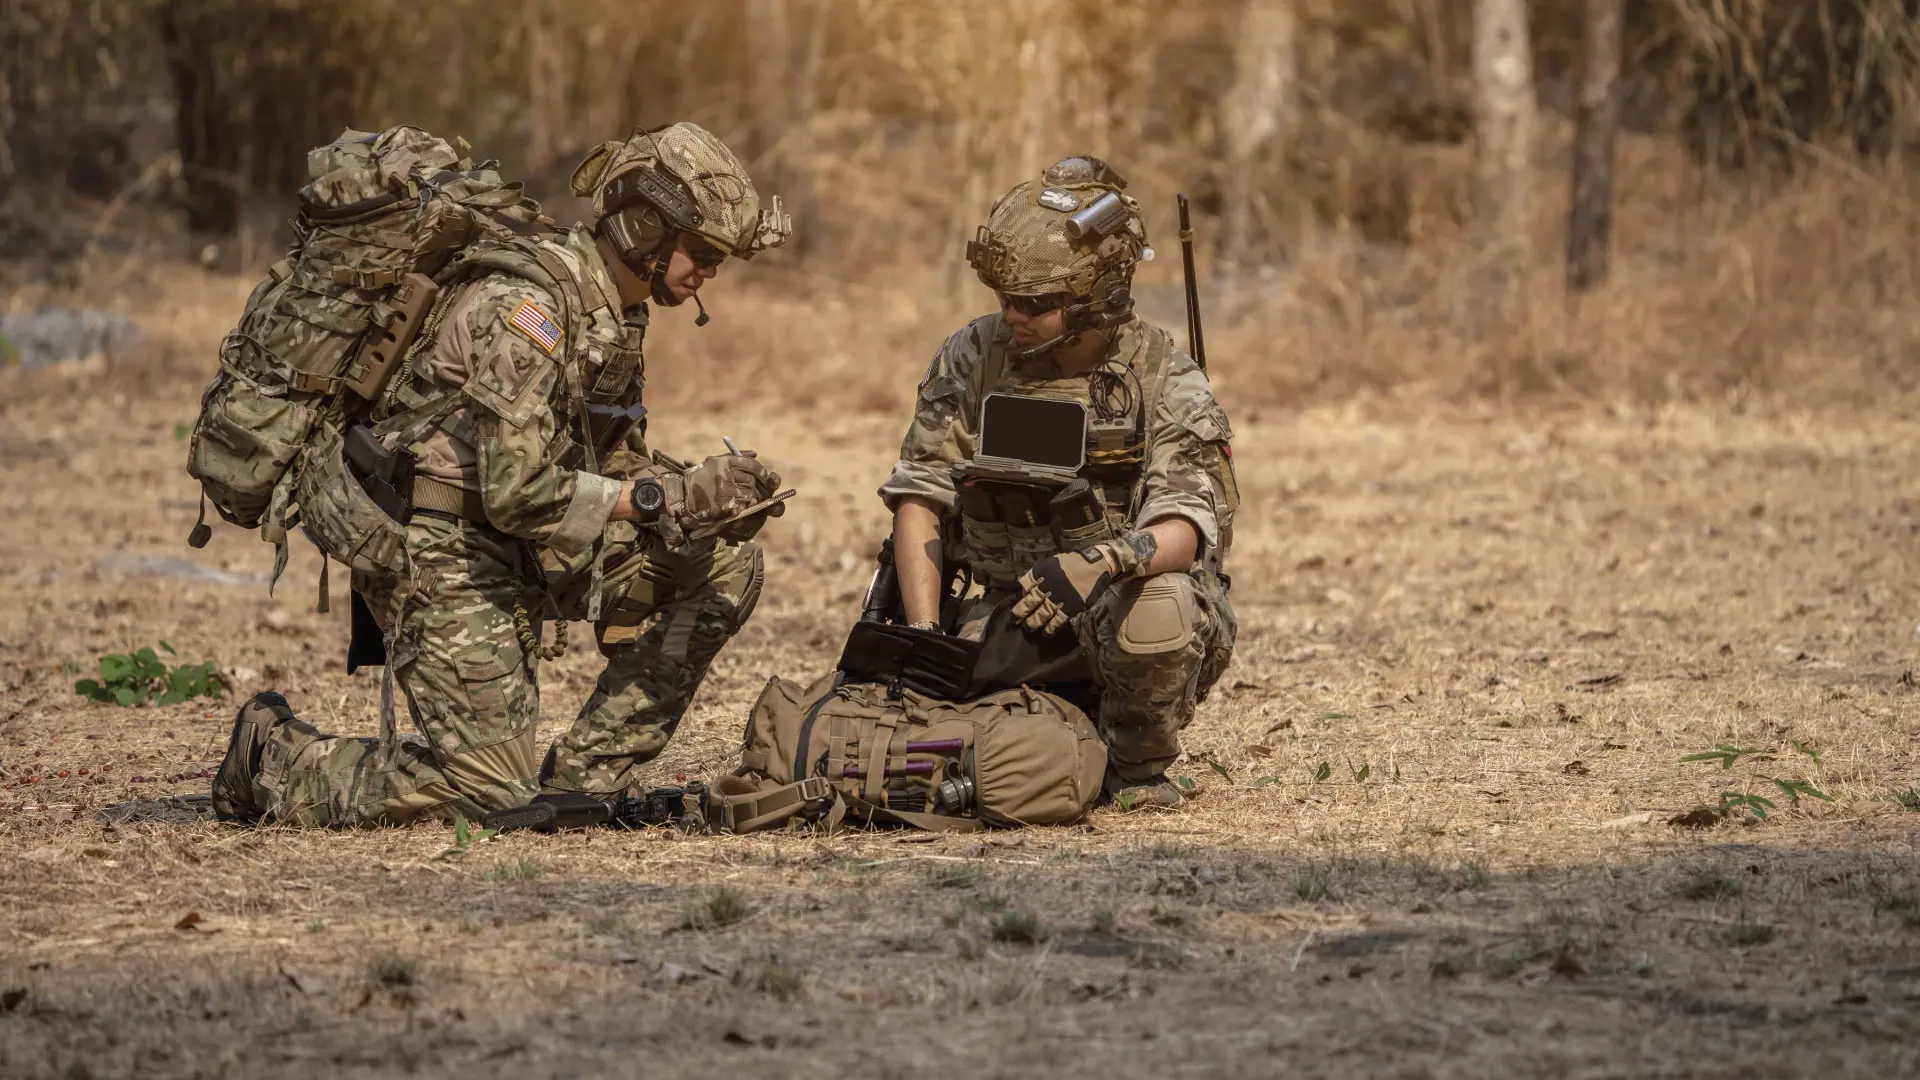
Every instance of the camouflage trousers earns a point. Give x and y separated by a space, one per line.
460 637
1154 647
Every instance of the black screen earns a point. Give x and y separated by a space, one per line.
1045 431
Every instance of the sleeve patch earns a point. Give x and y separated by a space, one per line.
536 326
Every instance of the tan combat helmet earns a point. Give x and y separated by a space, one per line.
1073 233
670 180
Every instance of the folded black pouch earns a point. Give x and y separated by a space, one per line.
955 669
924 661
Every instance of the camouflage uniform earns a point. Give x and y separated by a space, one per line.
1148 688
518 528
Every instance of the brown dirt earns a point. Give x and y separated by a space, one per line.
1498 631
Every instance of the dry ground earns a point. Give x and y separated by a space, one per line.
1498 632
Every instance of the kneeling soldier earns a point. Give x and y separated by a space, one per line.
536 496
1074 461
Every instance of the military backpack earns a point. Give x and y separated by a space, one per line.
869 753
379 231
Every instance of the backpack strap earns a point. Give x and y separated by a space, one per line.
736 804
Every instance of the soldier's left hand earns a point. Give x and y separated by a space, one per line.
1061 587
725 484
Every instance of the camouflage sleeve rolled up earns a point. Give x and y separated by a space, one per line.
943 420
1188 450
517 346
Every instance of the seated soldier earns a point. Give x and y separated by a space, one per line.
1098 515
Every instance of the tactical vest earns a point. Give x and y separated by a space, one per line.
601 370
1001 531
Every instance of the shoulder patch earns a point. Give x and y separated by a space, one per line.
536 325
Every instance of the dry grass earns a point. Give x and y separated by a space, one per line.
1497 630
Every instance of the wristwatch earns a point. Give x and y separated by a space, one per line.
648 499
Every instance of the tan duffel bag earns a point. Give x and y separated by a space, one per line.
874 755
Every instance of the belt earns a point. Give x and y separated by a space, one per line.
433 495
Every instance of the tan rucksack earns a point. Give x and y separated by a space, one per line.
378 233
862 752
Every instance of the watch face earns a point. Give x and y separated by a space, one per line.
649 497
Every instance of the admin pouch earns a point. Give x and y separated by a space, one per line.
871 754
320 340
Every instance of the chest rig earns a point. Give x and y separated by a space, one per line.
1014 510
602 369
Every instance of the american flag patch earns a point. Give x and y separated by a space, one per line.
531 321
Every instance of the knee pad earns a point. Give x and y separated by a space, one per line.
1156 615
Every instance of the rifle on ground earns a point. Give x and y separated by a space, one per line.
682 807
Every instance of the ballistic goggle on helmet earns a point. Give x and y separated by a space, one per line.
1073 236
663 182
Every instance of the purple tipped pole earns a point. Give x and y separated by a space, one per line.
914 768
937 746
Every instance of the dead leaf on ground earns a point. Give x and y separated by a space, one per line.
1568 965
918 838
675 974
1260 750
1697 818
1629 821
303 982
1588 686
1575 768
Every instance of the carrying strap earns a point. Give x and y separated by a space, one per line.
927 822
764 808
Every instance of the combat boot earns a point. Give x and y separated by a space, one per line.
1155 791
233 798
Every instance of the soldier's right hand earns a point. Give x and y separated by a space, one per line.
726 484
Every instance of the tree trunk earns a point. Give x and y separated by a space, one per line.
789 44
1504 131
1040 69
1590 223
1258 113
203 127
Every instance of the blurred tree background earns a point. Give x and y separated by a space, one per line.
1325 138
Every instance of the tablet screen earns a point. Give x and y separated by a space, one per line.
1044 431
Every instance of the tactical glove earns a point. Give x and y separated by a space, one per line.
1059 588
724 485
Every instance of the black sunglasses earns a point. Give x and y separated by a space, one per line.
1032 306
705 255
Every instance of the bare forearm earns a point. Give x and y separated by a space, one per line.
1177 546
917 558
623 508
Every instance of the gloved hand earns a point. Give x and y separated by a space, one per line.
724 485
1061 587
